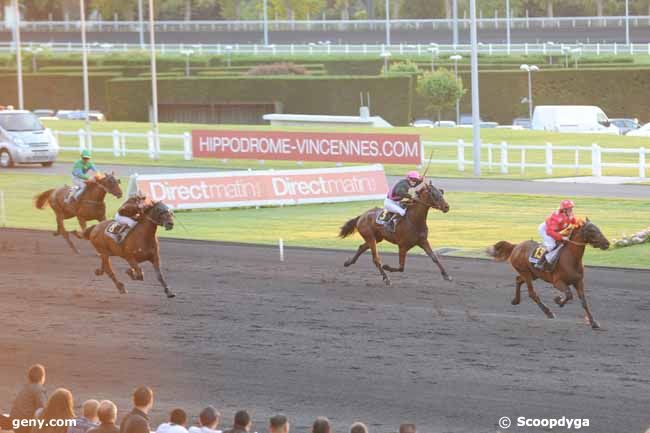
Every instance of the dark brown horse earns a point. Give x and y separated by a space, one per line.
412 230
567 272
90 206
141 245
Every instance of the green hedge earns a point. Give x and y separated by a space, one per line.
57 91
619 92
391 97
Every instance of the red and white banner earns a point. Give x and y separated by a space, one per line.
263 188
308 146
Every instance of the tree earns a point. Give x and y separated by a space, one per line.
296 9
441 89
418 9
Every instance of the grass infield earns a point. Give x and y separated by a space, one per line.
475 221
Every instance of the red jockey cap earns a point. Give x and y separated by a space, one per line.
413 175
567 204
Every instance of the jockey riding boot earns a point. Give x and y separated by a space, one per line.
541 263
392 223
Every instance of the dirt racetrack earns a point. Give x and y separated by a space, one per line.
307 337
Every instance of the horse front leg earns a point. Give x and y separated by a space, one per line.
135 271
518 282
108 268
155 261
580 289
424 244
564 288
82 225
535 297
402 261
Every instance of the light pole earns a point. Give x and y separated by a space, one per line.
530 69
627 22
385 55
19 59
476 131
454 24
508 25
229 49
456 58
34 51
84 60
140 25
576 55
565 51
187 54
387 23
266 22
154 80
434 53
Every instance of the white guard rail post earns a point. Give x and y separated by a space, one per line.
504 157
549 158
642 163
596 168
461 155
116 143
187 146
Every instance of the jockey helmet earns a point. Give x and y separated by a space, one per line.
413 175
85 154
566 204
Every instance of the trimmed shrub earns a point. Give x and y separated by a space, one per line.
277 69
130 98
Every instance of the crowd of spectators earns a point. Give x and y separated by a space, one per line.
32 403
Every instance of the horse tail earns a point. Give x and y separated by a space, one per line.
349 227
501 251
86 233
41 199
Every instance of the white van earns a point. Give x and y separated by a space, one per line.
572 118
24 140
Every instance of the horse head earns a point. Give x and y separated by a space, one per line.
592 235
110 183
161 215
433 197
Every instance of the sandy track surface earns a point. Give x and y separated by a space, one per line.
307 337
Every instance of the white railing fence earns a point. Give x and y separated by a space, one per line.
504 156
496 157
494 22
570 51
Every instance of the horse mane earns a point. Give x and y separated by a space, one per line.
99 176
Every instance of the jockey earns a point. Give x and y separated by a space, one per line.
551 230
131 210
80 174
402 192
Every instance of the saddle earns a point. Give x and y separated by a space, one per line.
117 232
384 217
540 251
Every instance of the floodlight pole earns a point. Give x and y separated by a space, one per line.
84 60
19 59
476 131
154 81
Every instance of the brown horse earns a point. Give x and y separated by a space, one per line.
141 245
90 206
411 231
567 272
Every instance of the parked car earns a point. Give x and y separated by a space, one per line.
40 113
79 115
422 123
643 131
626 125
523 122
24 140
466 119
572 118
444 124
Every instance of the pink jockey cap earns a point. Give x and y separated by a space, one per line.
413 175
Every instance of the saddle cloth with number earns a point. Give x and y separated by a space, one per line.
536 254
383 217
118 232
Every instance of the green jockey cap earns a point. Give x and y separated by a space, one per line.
85 154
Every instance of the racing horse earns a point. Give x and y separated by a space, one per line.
411 231
568 270
140 245
90 206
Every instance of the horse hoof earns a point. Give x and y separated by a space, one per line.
447 277
515 301
171 295
550 315
121 288
347 263
558 300
387 281
595 325
99 272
